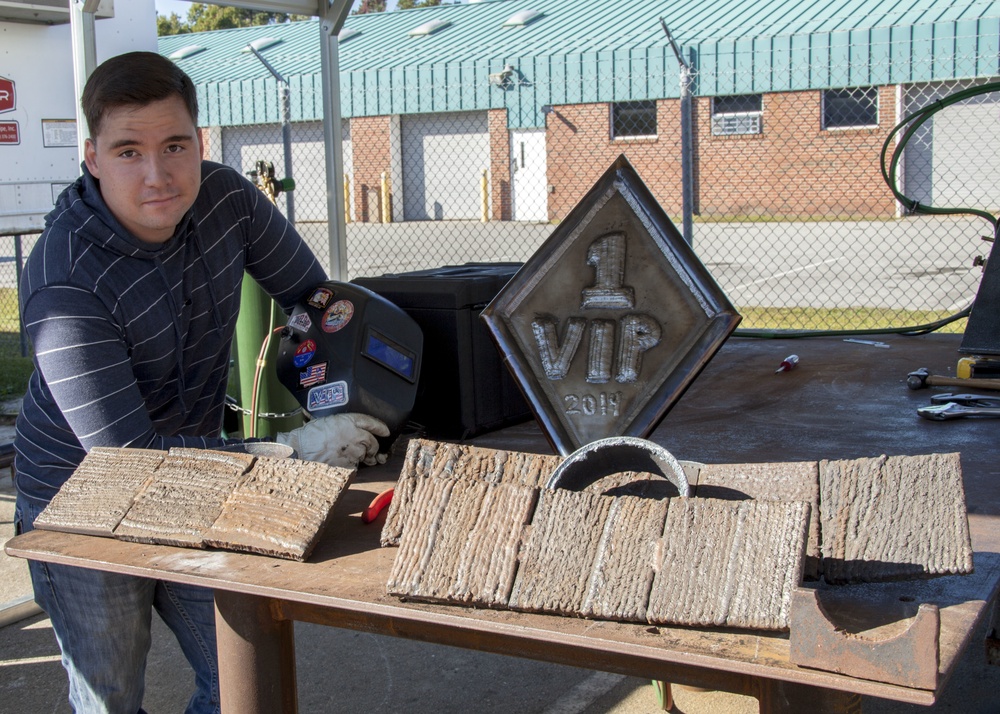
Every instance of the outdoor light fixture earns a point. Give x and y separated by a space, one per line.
503 78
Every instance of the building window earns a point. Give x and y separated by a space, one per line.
851 108
632 119
737 114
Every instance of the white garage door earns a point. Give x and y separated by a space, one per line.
444 156
953 160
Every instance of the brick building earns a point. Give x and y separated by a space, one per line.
509 111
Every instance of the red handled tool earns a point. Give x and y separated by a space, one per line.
377 505
788 363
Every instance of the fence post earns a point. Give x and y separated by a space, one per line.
347 199
687 141
285 102
687 157
18 259
284 94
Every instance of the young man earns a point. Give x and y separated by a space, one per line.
130 297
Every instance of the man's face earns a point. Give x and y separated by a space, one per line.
148 160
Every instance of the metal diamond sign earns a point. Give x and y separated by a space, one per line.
607 324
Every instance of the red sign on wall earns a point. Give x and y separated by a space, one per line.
9 133
7 102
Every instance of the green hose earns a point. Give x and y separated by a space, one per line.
915 121
907 331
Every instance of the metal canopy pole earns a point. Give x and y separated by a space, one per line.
331 20
81 22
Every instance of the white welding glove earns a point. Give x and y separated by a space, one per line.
343 440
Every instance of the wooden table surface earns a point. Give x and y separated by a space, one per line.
343 583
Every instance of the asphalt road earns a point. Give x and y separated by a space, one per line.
917 263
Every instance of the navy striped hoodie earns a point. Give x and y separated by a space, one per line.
132 340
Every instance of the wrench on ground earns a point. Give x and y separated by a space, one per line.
952 410
967 400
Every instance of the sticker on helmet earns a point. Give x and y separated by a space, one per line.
304 353
326 396
337 316
313 374
320 298
300 322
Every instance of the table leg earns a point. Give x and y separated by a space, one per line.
256 656
993 634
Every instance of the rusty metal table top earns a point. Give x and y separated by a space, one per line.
844 400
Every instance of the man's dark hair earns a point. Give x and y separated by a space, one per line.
134 79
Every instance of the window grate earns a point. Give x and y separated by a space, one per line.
735 124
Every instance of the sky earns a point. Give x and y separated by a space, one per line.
180 7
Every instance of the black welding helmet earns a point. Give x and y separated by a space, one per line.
347 349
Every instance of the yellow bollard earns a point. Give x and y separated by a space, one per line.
386 202
484 191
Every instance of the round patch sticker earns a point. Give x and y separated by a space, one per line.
337 316
304 353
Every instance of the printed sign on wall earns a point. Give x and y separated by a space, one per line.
9 133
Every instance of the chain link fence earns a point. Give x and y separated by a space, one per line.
14 347
788 207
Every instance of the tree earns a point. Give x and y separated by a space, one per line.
202 17
369 6
172 25
411 4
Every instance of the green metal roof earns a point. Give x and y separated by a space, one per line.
574 51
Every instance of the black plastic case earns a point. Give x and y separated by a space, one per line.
465 389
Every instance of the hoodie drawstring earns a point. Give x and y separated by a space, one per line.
178 333
216 315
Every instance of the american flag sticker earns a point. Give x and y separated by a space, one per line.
313 374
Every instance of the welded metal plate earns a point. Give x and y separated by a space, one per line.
607 324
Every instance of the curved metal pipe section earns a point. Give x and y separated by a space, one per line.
615 454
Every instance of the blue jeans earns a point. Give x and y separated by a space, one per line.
102 621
